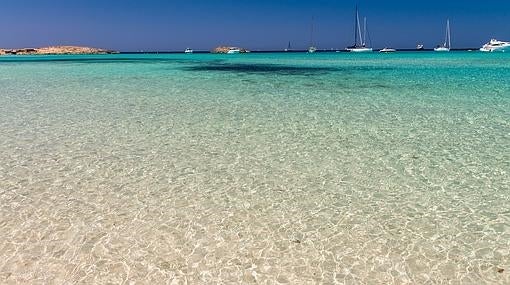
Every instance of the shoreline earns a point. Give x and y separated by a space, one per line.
74 50
290 51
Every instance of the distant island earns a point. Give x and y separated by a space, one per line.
56 50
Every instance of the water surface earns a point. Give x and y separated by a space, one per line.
257 168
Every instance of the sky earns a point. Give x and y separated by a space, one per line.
170 25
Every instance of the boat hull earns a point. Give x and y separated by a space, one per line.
496 49
442 49
360 50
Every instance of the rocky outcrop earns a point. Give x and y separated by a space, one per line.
56 50
226 49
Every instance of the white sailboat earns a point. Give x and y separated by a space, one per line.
289 47
446 46
360 40
312 47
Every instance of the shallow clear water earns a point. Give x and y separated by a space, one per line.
269 168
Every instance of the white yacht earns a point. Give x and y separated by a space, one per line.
188 50
360 39
233 51
420 47
495 45
446 46
386 50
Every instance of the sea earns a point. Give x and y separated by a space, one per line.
260 168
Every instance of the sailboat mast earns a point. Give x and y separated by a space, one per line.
449 33
359 27
356 27
445 44
364 32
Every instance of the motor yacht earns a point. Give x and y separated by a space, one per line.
495 45
386 50
233 51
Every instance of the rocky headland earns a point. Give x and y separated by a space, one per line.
56 50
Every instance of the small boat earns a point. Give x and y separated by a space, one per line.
386 50
289 47
360 39
446 46
188 50
312 47
420 47
495 45
233 51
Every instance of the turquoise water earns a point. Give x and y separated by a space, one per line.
327 168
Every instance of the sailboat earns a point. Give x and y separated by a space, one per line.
447 41
360 40
312 47
289 48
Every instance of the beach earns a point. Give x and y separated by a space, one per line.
278 168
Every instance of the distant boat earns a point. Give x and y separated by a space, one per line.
446 46
312 47
188 50
233 51
386 50
420 47
360 40
495 45
289 48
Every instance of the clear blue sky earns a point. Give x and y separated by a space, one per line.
130 25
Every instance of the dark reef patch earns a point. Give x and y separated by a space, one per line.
216 65
279 69
260 68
